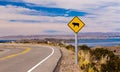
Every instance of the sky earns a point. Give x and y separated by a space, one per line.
37 17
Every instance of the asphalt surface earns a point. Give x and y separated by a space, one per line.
38 59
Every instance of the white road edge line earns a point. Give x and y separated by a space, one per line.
42 61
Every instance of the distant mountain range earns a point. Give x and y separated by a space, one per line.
89 35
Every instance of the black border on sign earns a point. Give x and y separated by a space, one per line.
80 20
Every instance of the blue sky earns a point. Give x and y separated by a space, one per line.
33 17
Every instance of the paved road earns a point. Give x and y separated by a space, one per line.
38 59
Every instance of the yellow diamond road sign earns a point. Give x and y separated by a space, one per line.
76 24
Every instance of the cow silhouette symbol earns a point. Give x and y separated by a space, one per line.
75 24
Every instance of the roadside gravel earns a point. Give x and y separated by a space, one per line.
68 62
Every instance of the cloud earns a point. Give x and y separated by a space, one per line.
17 28
25 21
51 16
51 31
43 11
71 4
13 14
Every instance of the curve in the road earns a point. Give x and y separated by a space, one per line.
13 55
42 60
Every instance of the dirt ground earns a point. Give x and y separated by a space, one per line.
68 62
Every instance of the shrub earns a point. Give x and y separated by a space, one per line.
70 47
99 52
83 47
98 60
112 65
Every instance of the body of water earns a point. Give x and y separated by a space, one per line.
90 42
98 42
4 41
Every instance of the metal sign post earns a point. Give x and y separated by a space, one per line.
76 25
76 48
